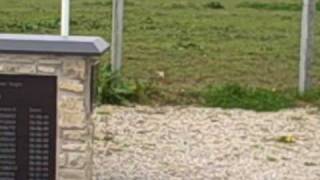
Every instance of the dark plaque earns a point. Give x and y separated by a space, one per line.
28 125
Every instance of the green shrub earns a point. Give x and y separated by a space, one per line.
111 88
235 96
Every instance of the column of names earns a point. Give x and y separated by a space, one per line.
8 137
39 128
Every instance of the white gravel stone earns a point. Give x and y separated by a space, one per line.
188 143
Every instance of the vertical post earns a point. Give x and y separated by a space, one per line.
117 35
307 44
65 17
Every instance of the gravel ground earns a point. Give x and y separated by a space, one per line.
187 143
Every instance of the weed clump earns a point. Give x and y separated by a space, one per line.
274 6
113 89
271 6
214 5
287 139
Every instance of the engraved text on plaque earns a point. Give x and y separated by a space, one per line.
28 127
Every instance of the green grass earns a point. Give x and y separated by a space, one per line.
194 43
232 96
235 96
311 97
274 6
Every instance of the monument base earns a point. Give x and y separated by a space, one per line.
73 73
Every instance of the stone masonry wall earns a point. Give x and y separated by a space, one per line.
75 130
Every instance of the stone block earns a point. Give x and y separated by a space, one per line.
76 135
77 160
46 61
2 67
73 119
19 68
73 174
71 85
62 160
76 146
72 103
75 69
46 69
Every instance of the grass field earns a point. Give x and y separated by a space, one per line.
192 44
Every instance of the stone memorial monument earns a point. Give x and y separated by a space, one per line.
46 98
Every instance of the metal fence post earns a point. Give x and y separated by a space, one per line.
65 17
117 35
307 44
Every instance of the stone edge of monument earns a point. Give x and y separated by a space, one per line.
52 44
